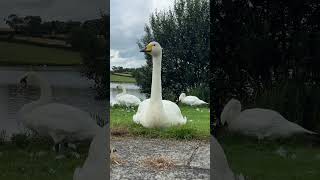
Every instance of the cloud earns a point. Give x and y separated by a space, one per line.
127 22
129 62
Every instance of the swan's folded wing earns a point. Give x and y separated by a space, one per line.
62 117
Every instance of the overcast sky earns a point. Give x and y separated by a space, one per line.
128 18
78 10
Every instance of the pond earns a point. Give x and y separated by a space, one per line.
68 87
131 88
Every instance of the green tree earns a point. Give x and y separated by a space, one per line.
183 32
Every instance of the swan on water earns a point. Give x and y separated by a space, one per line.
126 99
95 166
155 112
220 166
59 121
191 100
258 122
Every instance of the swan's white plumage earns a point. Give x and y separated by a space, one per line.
126 99
150 117
191 100
155 112
95 166
220 165
258 122
60 121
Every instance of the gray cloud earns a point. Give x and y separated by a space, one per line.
127 22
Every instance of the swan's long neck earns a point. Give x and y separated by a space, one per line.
124 91
45 96
156 94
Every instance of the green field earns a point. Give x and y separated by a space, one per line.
25 54
24 161
259 160
197 126
122 78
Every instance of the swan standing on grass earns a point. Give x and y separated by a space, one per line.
59 121
126 99
95 166
155 112
191 100
221 168
258 122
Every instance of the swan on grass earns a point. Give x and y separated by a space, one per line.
126 99
59 121
95 166
155 112
221 168
258 122
191 100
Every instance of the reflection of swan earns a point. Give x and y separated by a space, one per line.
258 122
191 100
60 121
221 168
155 112
126 99
95 166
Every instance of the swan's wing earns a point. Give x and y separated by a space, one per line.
173 113
61 117
193 100
141 110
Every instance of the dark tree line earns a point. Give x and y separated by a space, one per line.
183 33
266 52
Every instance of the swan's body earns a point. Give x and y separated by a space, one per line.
221 168
155 112
59 121
191 100
95 166
127 99
259 122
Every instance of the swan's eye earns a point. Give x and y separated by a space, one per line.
154 45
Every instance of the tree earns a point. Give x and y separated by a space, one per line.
14 22
183 32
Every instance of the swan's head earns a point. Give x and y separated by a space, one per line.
182 95
153 48
230 111
29 78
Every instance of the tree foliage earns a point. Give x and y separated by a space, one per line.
183 33
258 43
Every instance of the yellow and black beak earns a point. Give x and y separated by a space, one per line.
147 49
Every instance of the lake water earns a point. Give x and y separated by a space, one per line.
131 88
68 86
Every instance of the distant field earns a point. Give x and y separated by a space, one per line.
23 54
122 78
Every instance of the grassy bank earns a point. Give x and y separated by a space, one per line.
122 78
197 126
37 161
260 161
24 54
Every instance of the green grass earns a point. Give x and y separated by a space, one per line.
24 54
197 126
17 162
259 161
122 78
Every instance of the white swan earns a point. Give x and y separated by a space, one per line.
258 122
95 166
126 99
155 112
191 100
220 166
59 121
